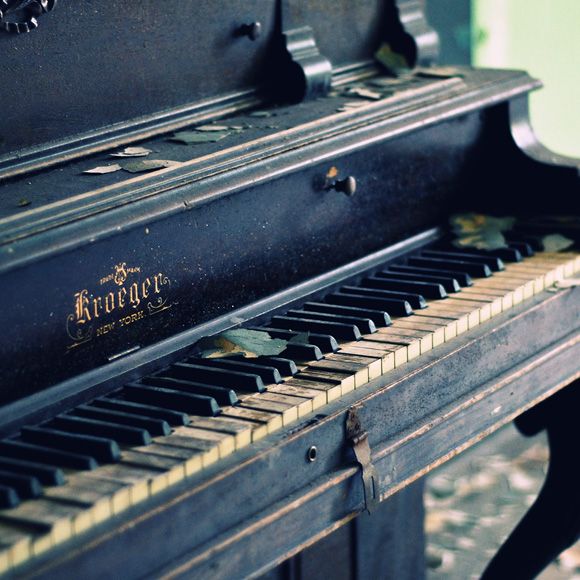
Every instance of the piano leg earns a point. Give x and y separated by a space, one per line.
552 524
389 543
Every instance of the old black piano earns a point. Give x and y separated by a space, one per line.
232 315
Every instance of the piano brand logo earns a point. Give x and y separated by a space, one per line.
132 297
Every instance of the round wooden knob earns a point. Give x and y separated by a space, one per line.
253 31
346 185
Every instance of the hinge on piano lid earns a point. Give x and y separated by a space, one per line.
359 440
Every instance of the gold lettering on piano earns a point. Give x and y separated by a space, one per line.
149 294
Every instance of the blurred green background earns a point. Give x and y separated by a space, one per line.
540 36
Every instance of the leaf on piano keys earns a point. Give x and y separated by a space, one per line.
484 240
101 170
484 232
148 165
250 343
394 62
191 137
556 243
132 152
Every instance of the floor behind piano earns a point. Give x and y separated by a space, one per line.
474 501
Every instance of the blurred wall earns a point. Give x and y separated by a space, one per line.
542 37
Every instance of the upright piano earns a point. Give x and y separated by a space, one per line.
234 316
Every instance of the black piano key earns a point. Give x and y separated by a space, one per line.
525 249
101 449
393 307
8 497
506 254
471 268
379 317
170 399
450 284
535 242
157 427
268 374
46 474
106 429
219 377
46 455
463 279
365 325
26 486
324 342
174 418
302 352
223 395
495 264
382 280
336 329
415 300
286 367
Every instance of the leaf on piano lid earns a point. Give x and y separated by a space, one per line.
212 128
439 72
394 62
556 243
191 137
148 165
262 114
132 152
363 93
104 169
24 202
250 343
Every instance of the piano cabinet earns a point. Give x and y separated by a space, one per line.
276 222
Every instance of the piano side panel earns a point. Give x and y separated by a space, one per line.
139 286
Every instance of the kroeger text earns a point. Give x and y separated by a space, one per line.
89 307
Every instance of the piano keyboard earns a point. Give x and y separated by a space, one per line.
75 471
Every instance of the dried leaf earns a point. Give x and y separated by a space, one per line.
250 343
384 82
484 240
210 128
24 202
261 114
469 223
394 62
190 137
480 231
439 72
300 338
148 165
364 93
556 243
132 152
104 169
